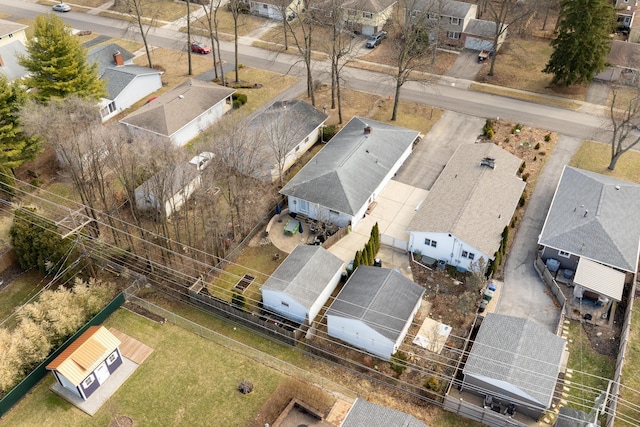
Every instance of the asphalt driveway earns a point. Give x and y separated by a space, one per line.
466 65
524 294
431 155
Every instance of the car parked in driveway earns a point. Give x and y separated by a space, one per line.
61 7
375 39
201 48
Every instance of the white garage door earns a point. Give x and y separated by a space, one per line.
478 44
367 30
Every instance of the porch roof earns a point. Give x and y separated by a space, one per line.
600 278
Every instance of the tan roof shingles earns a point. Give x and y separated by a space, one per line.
175 109
83 355
472 201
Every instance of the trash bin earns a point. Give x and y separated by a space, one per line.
377 262
483 306
492 286
488 294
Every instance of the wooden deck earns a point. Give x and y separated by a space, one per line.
131 348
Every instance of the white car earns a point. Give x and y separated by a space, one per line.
61 7
202 160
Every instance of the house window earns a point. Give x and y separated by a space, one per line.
112 358
297 147
264 6
306 139
464 254
286 304
88 381
432 16
454 21
415 13
427 242
368 15
453 35
564 254
334 212
471 256
431 243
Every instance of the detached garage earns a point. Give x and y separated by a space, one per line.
374 310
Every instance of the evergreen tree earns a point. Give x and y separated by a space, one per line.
357 260
57 62
582 41
15 147
366 255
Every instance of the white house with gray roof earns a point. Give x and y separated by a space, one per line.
342 180
472 201
516 361
126 83
12 44
593 228
302 284
182 113
365 413
284 132
374 310
446 20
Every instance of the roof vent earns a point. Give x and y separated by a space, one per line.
368 129
489 162
617 187
181 96
586 212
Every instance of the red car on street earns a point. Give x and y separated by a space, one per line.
200 48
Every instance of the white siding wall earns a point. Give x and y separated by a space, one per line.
356 333
175 203
324 296
139 87
67 384
202 122
273 300
449 248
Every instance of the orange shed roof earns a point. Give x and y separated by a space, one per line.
84 354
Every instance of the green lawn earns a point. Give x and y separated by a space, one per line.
595 156
583 358
187 380
19 292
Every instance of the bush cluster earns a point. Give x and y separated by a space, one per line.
239 99
488 129
45 324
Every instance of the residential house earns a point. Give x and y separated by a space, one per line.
366 16
363 413
345 177
126 83
273 9
593 230
447 20
302 284
480 35
182 113
88 362
516 361
285 131
374 310
166 191
12 44
625 17
472 201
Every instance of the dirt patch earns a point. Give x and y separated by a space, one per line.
143 312
604 340
121 421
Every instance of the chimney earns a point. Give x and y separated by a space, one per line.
368 129
117 58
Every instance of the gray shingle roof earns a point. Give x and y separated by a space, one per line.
103 56
10 27
305 273
344 174
624 54
480 28
300 119
472 201
381 298
175 109
609 233
118 78
368 414
519 352
373 6
11 69
450 8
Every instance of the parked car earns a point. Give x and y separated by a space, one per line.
376 39
61 7
198 47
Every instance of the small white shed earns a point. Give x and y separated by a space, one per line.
301 285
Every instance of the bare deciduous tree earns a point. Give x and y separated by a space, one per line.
211 20
302 39
625 118
137 10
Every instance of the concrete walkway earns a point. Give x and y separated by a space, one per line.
524 294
